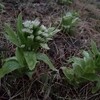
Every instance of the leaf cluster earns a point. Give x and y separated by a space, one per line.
28 38
84 69
69 21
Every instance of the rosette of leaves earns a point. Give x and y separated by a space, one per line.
69 21
84 69
28 38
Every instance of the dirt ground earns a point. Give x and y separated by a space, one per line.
49 12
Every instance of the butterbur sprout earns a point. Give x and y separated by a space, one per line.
42 35
28 39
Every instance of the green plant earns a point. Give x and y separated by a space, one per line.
28 38
69 22
1 7
85 69
65 1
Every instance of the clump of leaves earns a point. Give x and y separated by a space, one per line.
65 1
84 69
69 21
28 38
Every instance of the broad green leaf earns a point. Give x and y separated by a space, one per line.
11 58
31 60
20 56
89 69
89 63
11 35
97 87
89 66
78 71
19 23
94 48
77 62
30 74
19 29
69 73
91 77
44 58
97 62
86 56
8 67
